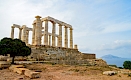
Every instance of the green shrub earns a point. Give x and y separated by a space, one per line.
127 64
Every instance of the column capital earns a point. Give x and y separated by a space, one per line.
46 20
20 28
12 27
71 28
60 25
24 26
65 27
38 17
53 22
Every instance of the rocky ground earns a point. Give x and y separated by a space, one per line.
65 72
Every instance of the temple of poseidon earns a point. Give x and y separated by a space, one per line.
48 46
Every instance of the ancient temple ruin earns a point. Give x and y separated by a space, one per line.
49 45
38 31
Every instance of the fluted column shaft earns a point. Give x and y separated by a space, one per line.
75 46
49 40
20 33
46 33
24 33
57 41
12 32
33 33
66 37
71 38
53 33
38 32
27 35
60 36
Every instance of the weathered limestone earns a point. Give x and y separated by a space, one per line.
4 64
110 73
33 33
12 32
53 33
20 32
46 33
60 36
24 33
49 40
32 74
38 33
27 35
75 46
57 41
66 37
71 38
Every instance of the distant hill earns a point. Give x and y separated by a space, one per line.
111 59
109 56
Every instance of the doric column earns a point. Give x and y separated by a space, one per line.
57 41
38 32
24 33
60 36
27 35
20 32
12 32
46 33
49 40
33 33
66 37
71 38
75 46
53 33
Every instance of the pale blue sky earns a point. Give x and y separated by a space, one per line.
100 26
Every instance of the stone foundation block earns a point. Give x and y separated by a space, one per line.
15 66
32 74
21 70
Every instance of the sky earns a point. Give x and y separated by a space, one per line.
99 26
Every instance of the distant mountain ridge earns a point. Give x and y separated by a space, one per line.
115 60
109 56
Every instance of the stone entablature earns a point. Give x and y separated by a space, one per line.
38 31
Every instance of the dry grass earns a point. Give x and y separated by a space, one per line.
67 72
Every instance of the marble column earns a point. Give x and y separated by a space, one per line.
75 46
60 36
71 37
27 35
57 41
33 33
20 32
38 33
49 40
46 33
12 32
24 33
66 37
53 34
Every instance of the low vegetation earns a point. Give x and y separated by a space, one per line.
14 47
